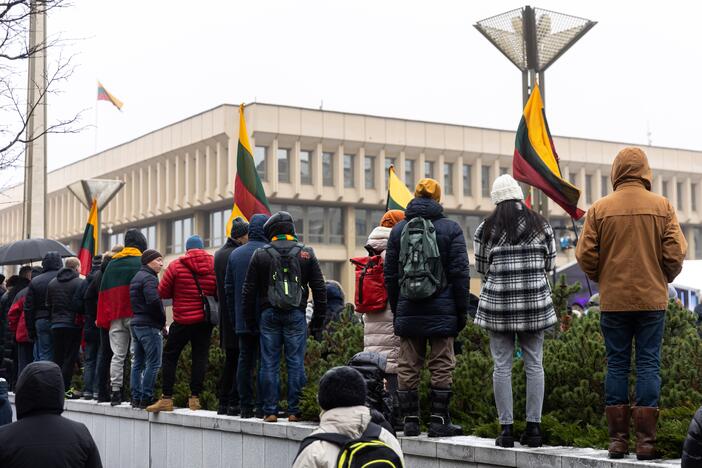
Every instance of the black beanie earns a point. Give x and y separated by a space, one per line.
134 238
149 255
340 387
239 228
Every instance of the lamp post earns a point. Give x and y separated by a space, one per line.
533 39
100 190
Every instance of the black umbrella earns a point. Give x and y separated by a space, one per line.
31 250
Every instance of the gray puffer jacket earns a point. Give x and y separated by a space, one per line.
378 331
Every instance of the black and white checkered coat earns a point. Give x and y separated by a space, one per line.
516 295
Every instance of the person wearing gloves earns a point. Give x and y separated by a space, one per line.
515 252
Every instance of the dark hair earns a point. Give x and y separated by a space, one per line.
12 281
506 220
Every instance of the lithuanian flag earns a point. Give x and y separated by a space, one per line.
105 95
89 244
113 299
249 196
398 193
536 161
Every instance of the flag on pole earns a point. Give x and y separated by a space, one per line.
249 195
89 244
398 193
536 161
104 95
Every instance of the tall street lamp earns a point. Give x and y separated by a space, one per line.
100 190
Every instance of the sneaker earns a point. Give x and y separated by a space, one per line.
70 394
271 418
116 398
194 403
294 418
164 404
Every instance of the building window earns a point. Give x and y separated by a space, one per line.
697 235
150 234
693 197
604 189
366 221
328 169
448 178
572 178
180 230
679 187
116 239
305 167
467 179
469 223
485 181
217 228
316 224
664 188
409 173
331 270
349 181
283 165
588 188
429 169
260 161
389 162
369 169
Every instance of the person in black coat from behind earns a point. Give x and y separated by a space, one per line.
91 334
692 447
229 342
41 437
36 314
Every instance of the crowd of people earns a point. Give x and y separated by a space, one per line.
412 292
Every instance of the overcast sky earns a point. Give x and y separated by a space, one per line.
638 68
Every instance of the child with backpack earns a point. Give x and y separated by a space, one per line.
426 275
346 427
515 251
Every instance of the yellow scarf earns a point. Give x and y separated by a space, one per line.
127 252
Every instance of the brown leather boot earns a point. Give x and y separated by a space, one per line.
618 423
645 421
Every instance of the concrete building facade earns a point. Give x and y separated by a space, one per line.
329 170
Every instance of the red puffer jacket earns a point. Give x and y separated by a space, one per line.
178 284
15 318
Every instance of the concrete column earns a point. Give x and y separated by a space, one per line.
294 168
199 225
673 196
359 182
210 184
381 176
134 194
420 167
162 235
597 185
339 171
458 168
177 186
400 168
687 198
478 182
347 273
228 188
188 174
272 168
317 180
147 189
219 191
199 172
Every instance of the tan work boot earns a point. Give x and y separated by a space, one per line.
164 404
194 403
294 418
618 424
271 418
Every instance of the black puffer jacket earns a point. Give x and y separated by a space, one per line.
227 337
146 303
65 298
692 447
445 313
41 437
35 305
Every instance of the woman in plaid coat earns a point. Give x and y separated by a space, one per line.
514 251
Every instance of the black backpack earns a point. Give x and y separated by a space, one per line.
285 287
366 451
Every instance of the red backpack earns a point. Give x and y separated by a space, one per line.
371 295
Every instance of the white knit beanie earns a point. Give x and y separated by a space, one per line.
506 188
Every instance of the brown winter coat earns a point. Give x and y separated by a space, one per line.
632 244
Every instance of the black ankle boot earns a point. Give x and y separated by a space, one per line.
440 422
506 437
409 406
116 398
222 409
532 435
397 423
233 410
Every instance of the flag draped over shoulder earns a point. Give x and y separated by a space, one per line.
113 299
249 195
89 244
536 162
398 193
105 95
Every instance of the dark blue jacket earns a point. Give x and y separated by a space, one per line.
445 313
236 273
35 304
335 302
146 303
5 408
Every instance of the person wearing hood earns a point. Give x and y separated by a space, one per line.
17 294
91 333
228 392
282 309
190 325
342 398
632 245
434 320
64 298
114 305
41 437
249 349
36 313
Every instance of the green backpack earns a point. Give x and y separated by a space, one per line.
421 270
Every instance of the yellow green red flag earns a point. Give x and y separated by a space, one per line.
105 95
398 193
89 244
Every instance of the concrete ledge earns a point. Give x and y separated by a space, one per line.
134 438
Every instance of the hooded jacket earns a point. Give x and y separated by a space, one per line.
692 447
35 307
227 338
178 284
378 330
64 298
237 266
15 316
41 437
146 303
444 313
632 244
350 421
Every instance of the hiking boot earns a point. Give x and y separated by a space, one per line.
164 404
194 403
233 410
116 398
645 420
618 424
247 413
440 421
271 418
222 410
409 406
143 404
506 437
294 418
531 437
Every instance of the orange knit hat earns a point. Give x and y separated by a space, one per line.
428 188
391 218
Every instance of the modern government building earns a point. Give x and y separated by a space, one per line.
328 169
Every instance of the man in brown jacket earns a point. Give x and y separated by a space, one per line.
633 247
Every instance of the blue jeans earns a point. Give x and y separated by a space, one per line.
92 343
619 330
282 328
147 344
44 344
249 361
